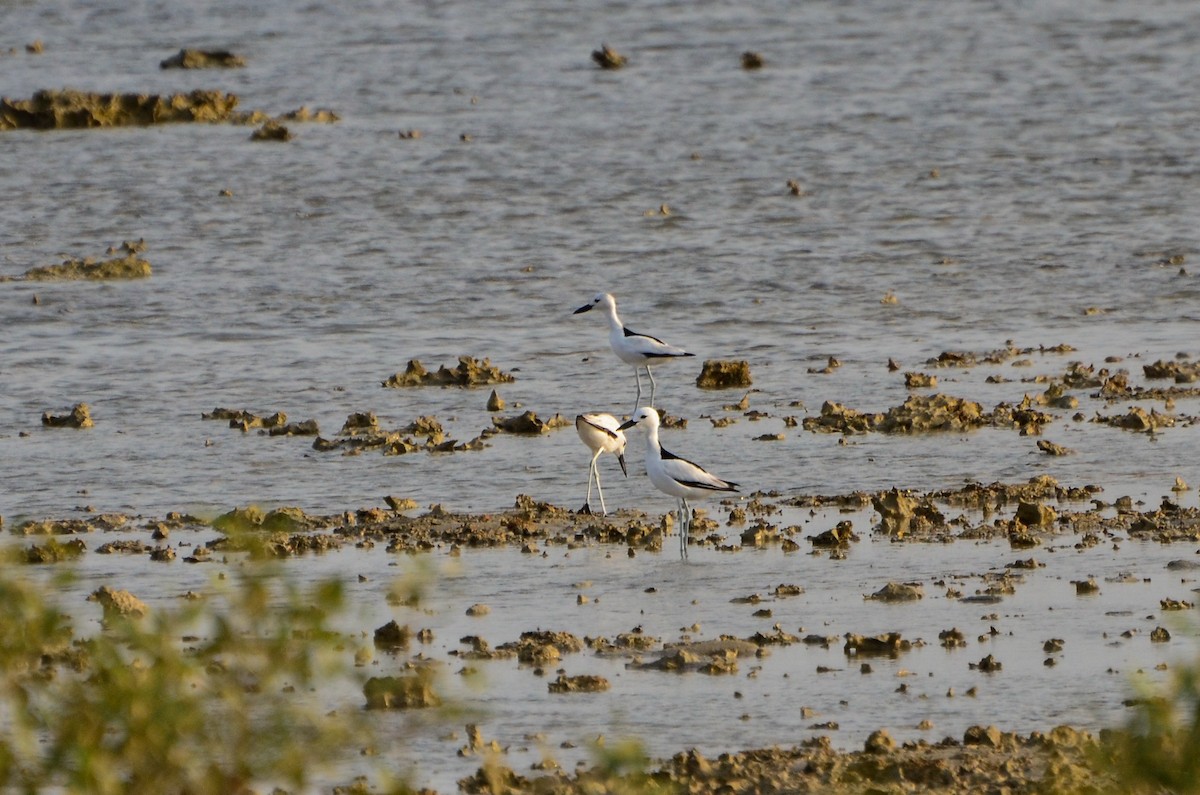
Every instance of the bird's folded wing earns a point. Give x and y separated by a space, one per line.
691 474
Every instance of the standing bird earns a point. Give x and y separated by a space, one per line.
600 432
638 350
673 475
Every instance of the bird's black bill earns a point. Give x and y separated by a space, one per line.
583 309
624 426
621 461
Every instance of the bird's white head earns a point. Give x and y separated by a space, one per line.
603 300
645 416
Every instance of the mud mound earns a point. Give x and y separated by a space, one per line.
724 374
68 110
127 266
469 372
203 59
80 417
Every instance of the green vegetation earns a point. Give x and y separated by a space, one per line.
1159 750
213 696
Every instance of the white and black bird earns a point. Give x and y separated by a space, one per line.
675 476
637 350
602 434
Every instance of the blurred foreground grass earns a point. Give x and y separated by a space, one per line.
1158 750
211 696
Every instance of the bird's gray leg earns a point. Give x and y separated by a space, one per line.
600 491
651 384
679 516
592 472
637 401
685 526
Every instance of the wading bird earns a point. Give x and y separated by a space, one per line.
675 476
637 350
601 433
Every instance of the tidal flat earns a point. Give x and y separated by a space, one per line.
951 632
303 365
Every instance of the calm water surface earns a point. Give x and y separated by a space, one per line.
1009 172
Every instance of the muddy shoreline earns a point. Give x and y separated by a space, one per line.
1032 519
1027 514
984 760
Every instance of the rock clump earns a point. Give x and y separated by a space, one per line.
985 760
901 513
67 109
999 356
898 592
1180 372
724 374
393 636
253 518
584 683
271 130
203 59
362 432
244 420
412 691
118 603
918 414
79 417
752 60
839 535
127 266
54 551
914 380
543 646
469 372
528 423
1137 419
889 644
608 58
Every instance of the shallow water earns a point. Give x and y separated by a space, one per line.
1002 169
1063 146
